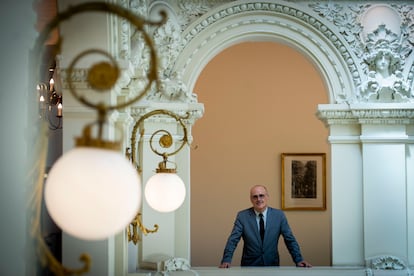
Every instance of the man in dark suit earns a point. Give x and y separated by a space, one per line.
260 227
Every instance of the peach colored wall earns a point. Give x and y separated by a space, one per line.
260 101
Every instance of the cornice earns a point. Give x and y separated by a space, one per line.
193 111
374 114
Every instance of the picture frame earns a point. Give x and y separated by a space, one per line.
303 181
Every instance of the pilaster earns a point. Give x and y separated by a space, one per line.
172 240
371 181
384 191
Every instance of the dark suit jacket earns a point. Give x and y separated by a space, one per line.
256 253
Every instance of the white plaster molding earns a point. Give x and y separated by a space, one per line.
376 114
176 264
351 19
123 118
123 35
336 114
386 262
391 140
344 139
331 34
194 110
385 53
127 74
79 77
258 20
336 29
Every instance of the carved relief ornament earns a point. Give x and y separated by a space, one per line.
366 114
340 23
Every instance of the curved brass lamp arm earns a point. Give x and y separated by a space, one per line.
166 141
101 77
137 224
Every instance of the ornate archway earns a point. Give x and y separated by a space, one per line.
341 40
332 36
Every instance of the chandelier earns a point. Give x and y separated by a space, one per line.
50 104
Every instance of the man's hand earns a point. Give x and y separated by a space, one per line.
303 264
224 265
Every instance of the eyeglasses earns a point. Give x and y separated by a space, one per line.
258 196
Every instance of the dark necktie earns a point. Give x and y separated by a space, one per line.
262 228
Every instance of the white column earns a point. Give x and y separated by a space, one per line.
372 182
182 219
347 209
171 240
385 193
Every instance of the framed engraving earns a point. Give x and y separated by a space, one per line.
303 181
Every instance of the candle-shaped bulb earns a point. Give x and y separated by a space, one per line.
52 83
59 110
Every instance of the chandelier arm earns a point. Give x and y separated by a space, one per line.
48 100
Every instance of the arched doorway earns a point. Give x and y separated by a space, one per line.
222 28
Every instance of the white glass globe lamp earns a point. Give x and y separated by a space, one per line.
92 193
165 191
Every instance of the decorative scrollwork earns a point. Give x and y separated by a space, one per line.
103 75
387 263
165 141
136 224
